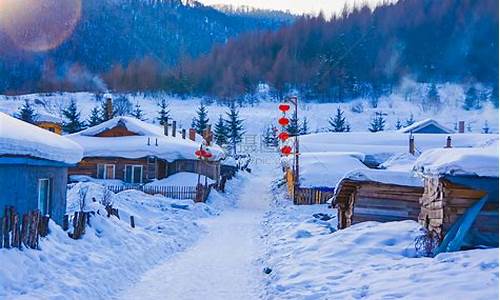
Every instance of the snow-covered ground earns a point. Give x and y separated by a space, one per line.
358 112
310 260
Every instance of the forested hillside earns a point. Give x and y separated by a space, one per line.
360 53
135 36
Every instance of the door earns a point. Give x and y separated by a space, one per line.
133 173
44 196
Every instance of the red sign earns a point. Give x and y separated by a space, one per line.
286 150
283 121
284 107
283 136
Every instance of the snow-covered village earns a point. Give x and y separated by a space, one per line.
245 149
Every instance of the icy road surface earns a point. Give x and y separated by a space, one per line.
222 265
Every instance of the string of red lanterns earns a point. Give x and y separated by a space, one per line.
284 121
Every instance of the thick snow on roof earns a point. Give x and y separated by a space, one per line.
481 161
417 125
327 169
165 147
48 118
180 179
384 176
24 139
388 143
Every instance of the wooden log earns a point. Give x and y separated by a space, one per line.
5 229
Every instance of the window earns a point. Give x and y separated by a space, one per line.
52 129
106 171
133 173
44 196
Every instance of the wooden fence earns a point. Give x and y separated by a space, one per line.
17 231
198 194
308 196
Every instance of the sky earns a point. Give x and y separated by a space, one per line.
296 6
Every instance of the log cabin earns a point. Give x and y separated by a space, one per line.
50 123
428 126
34 168
137 152
460 191
377 195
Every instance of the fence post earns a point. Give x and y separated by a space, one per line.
132 222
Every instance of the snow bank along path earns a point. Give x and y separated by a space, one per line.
223 264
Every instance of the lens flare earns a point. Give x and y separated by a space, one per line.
39 25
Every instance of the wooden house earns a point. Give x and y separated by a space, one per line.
461 191
426 126
137 152
377 195
50 123
34 168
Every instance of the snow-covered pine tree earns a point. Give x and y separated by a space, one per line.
138 113
304 128
486 127
27 113
95 117
293 128
163 113
338 122
270 137
72 115
410 121
494 95
200 122
470 99
220 132
235 127
433 100
378 123
398 125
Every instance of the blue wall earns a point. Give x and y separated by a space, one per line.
19 187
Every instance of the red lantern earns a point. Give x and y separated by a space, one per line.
198 153
283 121
286 150
207 154
284 107
283 136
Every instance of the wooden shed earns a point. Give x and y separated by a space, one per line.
377 195
460 199
447 198
50 123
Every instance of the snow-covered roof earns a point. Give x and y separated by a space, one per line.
164 147
421 124
23 139
48 118
326 169
386 144
480 161
384 176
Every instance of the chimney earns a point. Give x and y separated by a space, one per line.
109 108
448 142
192 134
174 128
165 128
461 126
183 134
412 145
207 134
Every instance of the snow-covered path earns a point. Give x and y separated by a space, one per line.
222 265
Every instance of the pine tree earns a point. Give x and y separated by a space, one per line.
200 122
72 115
27 113
433 100
138 113
163 113
486 127
338 122
494 96
95 117
220 132
270 136
304 128
398 124
470 99
377 123
410 121
104 111
293 128
235 127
